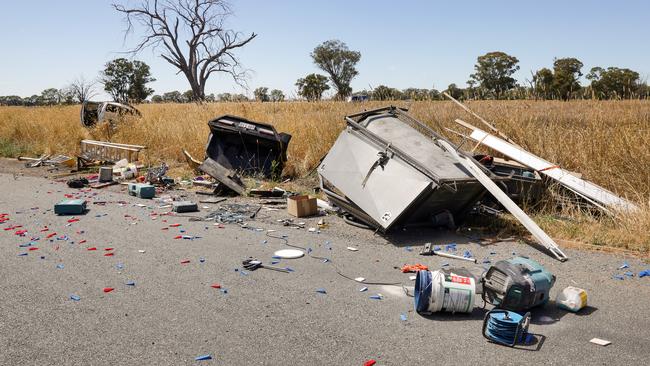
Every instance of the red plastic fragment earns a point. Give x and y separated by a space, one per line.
108 249
44 230
215 285
178 237
73 220
174 225
83 241
33 248
50 235
108 289
92 248
369 363
185 261
109 254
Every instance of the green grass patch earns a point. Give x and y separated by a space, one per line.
11 149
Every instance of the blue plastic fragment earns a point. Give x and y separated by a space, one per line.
119 266
375 297
26 245
408 249
203 358
493 253
625 265
618 277
182 231
130 283
467 254
42 257
275 262
74 298
60 266
243 273
22 254
308 250
403 317
289 269
629 274
321 291
437 249
487 261
363 289
201 260
224 291
264 241
325 260
276 257
645 273
444 264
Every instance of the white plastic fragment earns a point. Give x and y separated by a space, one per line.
600 342
359 279
141 251
352 249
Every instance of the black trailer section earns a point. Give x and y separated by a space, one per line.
247 147
387 170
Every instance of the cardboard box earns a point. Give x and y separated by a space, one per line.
302 206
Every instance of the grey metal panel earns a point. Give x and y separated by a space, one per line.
346 167
417 145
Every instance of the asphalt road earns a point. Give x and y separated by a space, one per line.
173 315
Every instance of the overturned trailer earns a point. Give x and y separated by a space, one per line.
387 169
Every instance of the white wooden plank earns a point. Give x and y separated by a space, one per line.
580 186
512 207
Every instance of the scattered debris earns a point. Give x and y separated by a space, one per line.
112 112
412 268
353 249
436 291
517 284
69 207
428 250
600 342
301 206
252 264
203 358
184 206
102 151
289 253
506 327
571 299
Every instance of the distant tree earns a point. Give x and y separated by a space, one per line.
261 94
454 91
277 95
494 72
566 75
193 35
614 83
224 97
66 96
543 83
312 87
416 94
13 100
157 99
239 98
173 97
49 97
383 92
339 62
187 97
126 81
210 98
82 90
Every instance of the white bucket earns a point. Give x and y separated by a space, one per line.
437 291
572 299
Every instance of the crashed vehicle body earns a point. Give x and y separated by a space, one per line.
247 147
95 112
386 169
523 185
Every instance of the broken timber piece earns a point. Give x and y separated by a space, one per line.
223 175
193 163
593 193
532 227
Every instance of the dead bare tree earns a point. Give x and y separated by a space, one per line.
192 37
82 89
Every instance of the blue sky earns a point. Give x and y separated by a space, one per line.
403 43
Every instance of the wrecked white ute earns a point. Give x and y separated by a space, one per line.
94 112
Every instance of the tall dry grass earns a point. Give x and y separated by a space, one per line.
607 141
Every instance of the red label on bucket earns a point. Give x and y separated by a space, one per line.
461 280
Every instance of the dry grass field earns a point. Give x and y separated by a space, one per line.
607 141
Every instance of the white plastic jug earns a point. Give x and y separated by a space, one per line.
572 299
